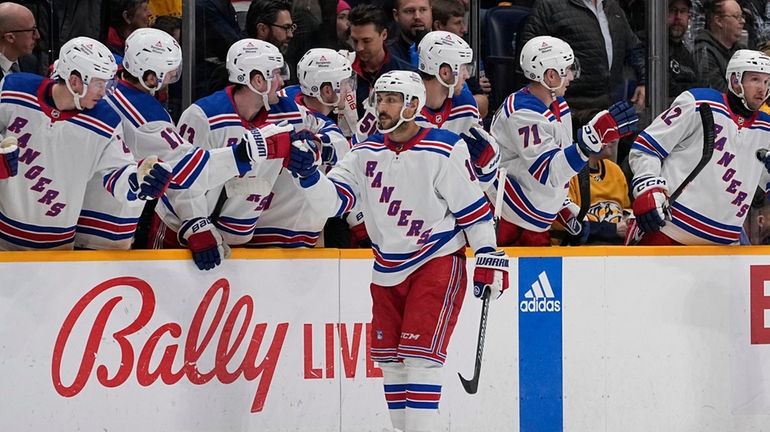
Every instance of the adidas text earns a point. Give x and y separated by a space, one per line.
540 297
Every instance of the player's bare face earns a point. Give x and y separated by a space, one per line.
414 16
389 109
755 86
368 43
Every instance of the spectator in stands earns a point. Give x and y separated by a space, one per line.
603 43
343 26
449 15
217 29
161 8
171 25
270 21
18 36
681 66
368 32
717 42
125 17
414 18
609 198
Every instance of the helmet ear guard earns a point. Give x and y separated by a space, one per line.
409 85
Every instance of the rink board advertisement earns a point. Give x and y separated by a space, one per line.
585 339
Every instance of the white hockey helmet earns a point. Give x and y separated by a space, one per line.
440 47
153 50
250 55
323 65
409 84
89 58
542 53
746 61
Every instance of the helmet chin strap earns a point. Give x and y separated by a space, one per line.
76 97
553 89
265 99
400 121
450 87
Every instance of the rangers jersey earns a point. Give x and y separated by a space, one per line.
148 130
418 198
60 152
264 206
537 150
712 208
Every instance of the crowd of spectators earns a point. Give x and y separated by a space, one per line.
608 37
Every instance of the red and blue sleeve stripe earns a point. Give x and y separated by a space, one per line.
476 212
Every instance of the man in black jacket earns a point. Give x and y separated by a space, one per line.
681 66
599 33
716 43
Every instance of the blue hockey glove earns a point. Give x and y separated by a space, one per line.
304 157
204 241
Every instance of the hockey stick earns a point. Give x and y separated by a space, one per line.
472 385
584 189
707 121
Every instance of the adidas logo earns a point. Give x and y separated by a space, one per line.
540 298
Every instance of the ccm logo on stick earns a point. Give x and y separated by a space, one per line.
760 305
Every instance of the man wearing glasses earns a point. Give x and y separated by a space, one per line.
270 21
718 41
18 36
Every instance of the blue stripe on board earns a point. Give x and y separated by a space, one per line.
540 345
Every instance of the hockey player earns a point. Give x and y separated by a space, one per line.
219 120
151 62
534 130
712 208
421 202
326 78
67 135
445 64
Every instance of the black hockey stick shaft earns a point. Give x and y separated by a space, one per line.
707 121
471 386
584 191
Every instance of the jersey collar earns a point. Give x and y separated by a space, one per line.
44 93
256 122
399 147
739 120
438 117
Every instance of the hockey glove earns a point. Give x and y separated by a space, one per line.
490 273
483 149
204 241
651 204
359 238
577 229
328 152
267 142
607 126
155 175
9 157
304 158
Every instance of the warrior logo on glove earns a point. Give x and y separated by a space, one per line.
491 272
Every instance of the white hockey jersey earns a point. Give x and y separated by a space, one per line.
60 152
536 148
148 130
417 197
712 208
265 206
